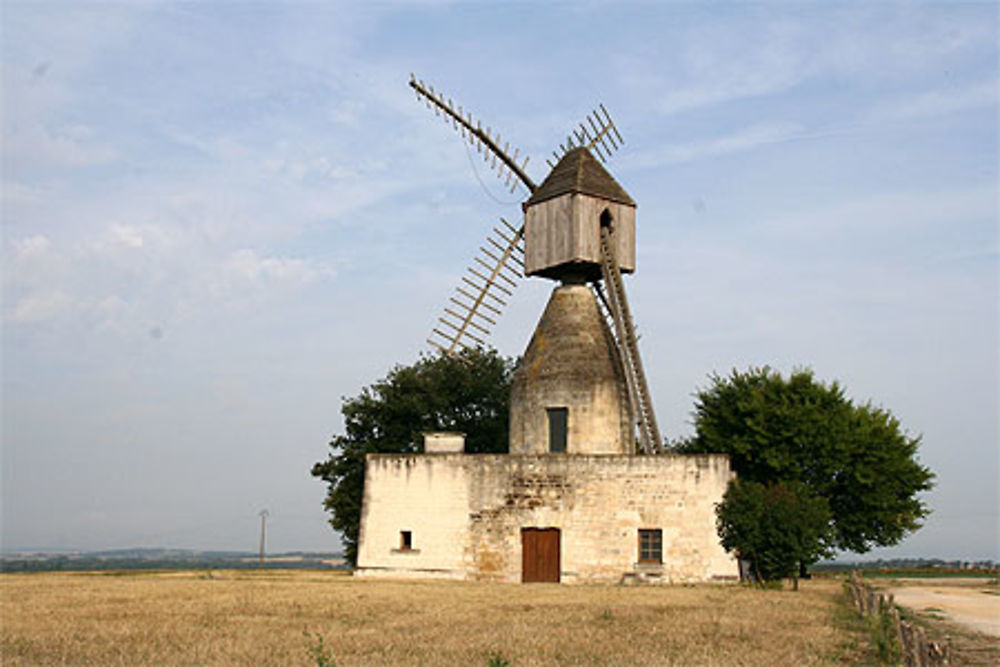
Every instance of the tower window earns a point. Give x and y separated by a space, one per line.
650 546
558 429
405 540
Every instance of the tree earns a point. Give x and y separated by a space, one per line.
468 392
777 527
855 457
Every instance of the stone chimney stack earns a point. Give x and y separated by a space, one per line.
445 442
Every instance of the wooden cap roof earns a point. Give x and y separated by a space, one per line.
579 172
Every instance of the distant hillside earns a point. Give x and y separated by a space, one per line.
163 559
914 565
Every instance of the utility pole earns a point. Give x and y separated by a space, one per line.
263 532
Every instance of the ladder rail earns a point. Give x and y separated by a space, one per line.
649 433
631 382
604 307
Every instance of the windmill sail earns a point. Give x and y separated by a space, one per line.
486 142
490 281
481 296
599 134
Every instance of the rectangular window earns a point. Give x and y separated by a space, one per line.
650 546
558 428
405 540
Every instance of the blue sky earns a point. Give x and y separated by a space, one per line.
221 218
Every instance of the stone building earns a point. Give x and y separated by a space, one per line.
571 501
544 517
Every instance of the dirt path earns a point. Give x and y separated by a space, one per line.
974 606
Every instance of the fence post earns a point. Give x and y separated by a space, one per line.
852 585
921 647
897 626
908 658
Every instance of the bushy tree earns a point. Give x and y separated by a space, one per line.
776 527
855 457
468 392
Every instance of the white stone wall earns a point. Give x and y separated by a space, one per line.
425 494
466 513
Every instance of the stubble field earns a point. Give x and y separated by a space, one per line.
302 618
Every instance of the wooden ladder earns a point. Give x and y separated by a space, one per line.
616 305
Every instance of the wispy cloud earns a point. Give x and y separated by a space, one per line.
12 193
132 274
66 145
768 63
244 269
939 102
38 132
38 306
740 141
32 246
929 215
763 54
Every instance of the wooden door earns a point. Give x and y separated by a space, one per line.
540 555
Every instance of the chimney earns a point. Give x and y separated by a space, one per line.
445 442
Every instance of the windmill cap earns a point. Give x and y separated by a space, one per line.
579 172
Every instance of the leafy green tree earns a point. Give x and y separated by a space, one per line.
856 457
468 392
777 527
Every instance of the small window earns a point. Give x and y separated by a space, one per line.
651 546
405 540
558 427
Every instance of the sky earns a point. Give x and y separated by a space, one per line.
219 219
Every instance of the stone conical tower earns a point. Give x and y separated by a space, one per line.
569 393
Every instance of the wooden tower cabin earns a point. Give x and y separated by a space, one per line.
585 493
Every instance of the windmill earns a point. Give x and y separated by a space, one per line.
578 229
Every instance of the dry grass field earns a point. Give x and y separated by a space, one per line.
303 618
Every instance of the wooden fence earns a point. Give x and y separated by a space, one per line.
911 647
